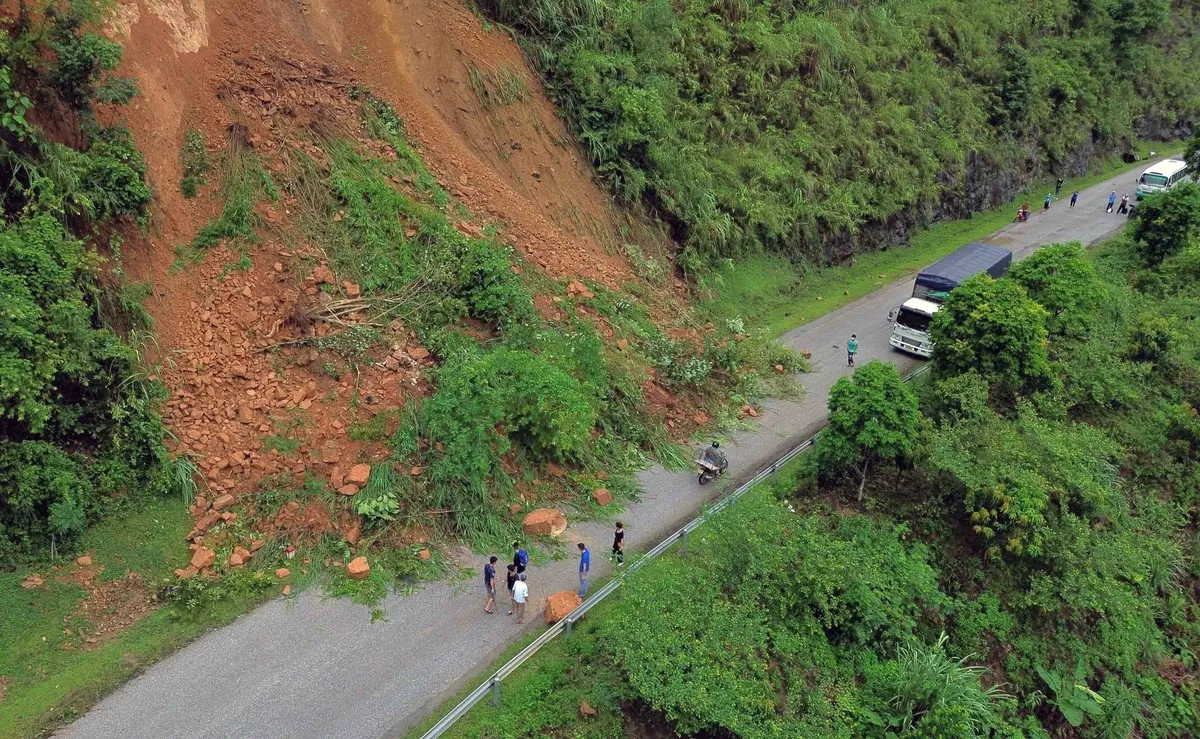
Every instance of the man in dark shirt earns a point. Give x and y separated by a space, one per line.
489 582
618 549
509 582
520 557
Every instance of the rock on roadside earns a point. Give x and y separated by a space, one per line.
560 604
545 522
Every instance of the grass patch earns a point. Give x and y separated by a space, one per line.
244 181
195 161
497 88
52 685
778 295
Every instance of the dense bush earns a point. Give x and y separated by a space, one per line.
1166 222
793 125
758 630
77 425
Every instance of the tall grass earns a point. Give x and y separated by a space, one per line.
243 182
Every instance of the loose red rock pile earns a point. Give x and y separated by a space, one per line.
245 371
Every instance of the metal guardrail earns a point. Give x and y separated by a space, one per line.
492 684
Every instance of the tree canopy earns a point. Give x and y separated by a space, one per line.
873 417
994 328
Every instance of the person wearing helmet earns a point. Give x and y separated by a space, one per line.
714 456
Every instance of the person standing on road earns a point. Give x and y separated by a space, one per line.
1124 205
1112 200
1046 204
1074 197
509 581
520 595
489 582
851 349
618 549
1058 187
520 557
585 568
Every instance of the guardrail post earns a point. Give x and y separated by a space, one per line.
683 542
495 692
569 621
775 474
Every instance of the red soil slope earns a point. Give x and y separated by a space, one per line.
276 68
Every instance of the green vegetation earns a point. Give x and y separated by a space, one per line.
778 293
521 391
78 429
244 182
815 129
873 418
194 161
52 682
497 88
1025 568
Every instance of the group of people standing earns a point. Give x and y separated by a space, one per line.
1121 208
518 590
516 583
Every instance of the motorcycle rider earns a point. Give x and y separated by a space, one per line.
714 456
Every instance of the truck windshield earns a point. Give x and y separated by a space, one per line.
1156 180
913 320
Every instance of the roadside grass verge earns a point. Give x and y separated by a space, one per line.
50 683
777 295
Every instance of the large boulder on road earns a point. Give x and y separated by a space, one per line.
545 522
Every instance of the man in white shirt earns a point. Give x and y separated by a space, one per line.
520 595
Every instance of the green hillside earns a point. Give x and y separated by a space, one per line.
817 128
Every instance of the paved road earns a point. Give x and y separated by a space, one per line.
316 667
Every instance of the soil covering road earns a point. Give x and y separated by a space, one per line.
318 667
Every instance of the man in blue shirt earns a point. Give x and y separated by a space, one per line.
489 582
585 568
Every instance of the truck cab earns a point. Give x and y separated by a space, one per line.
910 329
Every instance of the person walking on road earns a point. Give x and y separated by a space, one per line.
618 549
520 557
1074 197
851 349
489 582
1058 187
585 568
1112 201
1124 208
1046 204
510 580
520 595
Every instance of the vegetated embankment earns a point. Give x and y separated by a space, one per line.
819 129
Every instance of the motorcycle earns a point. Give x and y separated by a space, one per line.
708 470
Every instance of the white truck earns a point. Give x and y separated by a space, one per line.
910 321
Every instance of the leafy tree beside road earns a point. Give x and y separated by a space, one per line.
873 419
1060 278
994 328
1165 223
